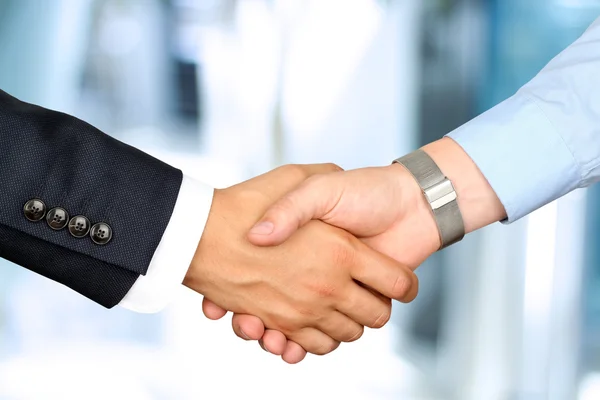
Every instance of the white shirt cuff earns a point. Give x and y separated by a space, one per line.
153 291
521 154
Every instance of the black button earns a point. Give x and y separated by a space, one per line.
101 233
79 226
57 218
34 210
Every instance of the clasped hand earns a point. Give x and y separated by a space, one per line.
307 256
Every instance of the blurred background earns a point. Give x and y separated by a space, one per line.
228 89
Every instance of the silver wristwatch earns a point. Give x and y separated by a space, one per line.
440 194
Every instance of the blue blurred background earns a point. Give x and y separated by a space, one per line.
229 89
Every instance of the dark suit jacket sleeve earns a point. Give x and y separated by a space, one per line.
67 163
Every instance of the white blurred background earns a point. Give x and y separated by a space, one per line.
229 89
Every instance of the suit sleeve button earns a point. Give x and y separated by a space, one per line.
101 233
79 226
34 210
57 218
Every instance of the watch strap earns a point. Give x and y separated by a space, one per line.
439 193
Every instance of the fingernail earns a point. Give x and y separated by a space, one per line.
244 335
263 228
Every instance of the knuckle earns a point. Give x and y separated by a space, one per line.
324 290
288 329
402 287
356 335
324 347
414 289
288 324
307 312
307 315
295 171
332 167
313 181
382 319
342 253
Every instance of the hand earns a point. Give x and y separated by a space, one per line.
383 206
308 288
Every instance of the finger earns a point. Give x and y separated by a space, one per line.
314 341
316 169
290 176
392 250
211 310
294 353
375 293
312 199
384 275
366 308
341 328
274 342
247 327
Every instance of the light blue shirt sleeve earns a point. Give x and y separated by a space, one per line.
544 141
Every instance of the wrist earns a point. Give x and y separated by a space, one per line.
477 201
417 213
193 277
196 275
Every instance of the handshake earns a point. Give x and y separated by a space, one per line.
306 256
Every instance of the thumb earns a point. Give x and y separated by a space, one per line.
313 199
